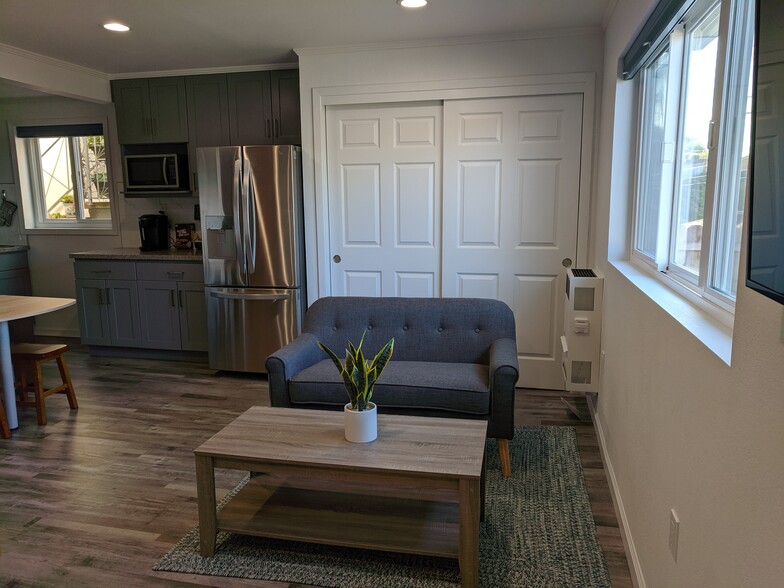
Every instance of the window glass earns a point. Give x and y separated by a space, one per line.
74 179
689 213
693 148
651 161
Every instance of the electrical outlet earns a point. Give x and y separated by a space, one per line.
675 525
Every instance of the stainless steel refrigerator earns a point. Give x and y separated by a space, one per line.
253 246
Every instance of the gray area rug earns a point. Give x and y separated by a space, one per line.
538 533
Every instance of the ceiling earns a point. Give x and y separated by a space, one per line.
204 34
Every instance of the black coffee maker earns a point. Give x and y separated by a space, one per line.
154 229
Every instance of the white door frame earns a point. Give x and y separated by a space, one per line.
576 83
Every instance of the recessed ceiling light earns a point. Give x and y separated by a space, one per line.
117 27
412 3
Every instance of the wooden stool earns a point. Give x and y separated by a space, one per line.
5 432
27 359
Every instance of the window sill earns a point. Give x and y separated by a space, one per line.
714 333
72 230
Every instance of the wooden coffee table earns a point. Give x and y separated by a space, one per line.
418 488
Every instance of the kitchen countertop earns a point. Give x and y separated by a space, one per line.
134 254
13 248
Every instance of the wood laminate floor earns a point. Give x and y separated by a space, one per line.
98 495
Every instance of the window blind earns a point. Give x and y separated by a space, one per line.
659 24
80 130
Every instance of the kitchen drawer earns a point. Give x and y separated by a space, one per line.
104 270
183 272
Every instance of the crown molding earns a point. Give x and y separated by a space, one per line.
449 41
51 61
201 71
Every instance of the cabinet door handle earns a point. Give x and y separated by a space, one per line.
101 296
102 271
175 274
171 294
267 133
108 297
277 128
179 297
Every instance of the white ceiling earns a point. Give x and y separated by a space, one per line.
203 34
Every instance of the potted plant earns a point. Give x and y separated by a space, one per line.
359 376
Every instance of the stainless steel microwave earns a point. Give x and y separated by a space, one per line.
153 172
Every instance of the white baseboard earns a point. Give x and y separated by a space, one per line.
628 542
49 332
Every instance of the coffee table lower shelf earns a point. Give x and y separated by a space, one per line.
344 519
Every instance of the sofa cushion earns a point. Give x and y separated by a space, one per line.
455 387
456 330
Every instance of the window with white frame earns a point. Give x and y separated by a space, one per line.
694 138
64 176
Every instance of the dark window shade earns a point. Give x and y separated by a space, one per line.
83 130
659 24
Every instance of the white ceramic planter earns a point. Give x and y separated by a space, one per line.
360 425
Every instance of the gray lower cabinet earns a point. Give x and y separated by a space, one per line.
107 302
108 312
15 281
172 306
154 305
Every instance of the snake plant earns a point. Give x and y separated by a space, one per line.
360 374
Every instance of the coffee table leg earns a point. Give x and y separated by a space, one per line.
469 533
208 518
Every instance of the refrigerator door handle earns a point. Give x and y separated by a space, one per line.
238 231
246 296
250 221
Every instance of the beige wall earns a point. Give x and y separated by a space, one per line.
683 429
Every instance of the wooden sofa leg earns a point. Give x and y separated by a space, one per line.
503 456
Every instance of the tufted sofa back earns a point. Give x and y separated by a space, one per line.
450 330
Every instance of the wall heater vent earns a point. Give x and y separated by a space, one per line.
582 338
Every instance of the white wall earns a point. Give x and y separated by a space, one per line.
51 270
430 71
683 429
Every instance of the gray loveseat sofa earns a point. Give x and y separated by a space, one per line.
453 357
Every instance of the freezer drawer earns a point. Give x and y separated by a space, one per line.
246 325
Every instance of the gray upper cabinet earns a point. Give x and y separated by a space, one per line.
6 163
250 108
151 110
286 126
208 110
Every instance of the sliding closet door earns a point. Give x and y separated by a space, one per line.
511 194
384 182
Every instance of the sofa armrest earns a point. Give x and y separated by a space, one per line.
287 361
503 373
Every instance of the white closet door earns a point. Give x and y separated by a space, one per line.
511 194
384 181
